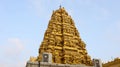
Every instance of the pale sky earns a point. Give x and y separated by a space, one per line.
23 24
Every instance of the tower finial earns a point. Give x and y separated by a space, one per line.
60 6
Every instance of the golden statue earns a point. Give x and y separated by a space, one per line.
62 40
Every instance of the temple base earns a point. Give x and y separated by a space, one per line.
45 64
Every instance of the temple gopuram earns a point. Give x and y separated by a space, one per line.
63 41
62 45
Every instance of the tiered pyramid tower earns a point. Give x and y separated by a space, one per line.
63 41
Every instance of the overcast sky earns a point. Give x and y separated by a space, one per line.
23 23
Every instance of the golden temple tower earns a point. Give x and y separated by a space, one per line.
62 40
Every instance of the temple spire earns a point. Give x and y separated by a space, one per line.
62 40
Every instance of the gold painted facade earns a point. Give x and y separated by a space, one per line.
114 63
63 41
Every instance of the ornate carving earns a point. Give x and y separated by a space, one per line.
113 63
63 41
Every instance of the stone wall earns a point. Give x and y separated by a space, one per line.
43 64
